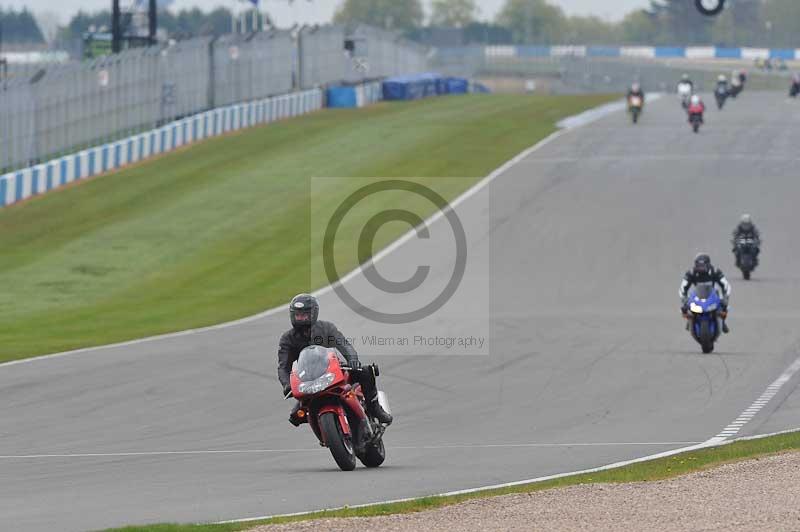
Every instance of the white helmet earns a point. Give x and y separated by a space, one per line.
746 220
722 78
635 87
695 99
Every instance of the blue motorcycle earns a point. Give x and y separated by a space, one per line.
703 315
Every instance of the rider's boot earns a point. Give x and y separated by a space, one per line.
725 327
375 410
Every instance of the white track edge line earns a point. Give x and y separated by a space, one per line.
564 124
705 445
716 441
127 454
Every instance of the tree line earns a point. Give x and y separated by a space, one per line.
773 23
19 27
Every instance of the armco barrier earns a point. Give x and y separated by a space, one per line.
22 184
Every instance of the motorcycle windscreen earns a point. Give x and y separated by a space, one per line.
313 362
704 290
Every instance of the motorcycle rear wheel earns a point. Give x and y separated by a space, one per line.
339 444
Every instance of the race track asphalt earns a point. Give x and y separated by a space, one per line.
579 249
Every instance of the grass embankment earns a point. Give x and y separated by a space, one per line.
660 469
221 230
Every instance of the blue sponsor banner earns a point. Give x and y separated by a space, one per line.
603 51
3 191
130 150
76 173
670 51
728 53
532 51
786 54
90 164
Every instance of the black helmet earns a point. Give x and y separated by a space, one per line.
702 263
303 310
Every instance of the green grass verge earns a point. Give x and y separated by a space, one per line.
660 469
221 230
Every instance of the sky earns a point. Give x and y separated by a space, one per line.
320 11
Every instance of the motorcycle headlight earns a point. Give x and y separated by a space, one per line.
697 309
317 385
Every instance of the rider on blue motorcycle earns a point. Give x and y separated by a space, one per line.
704 272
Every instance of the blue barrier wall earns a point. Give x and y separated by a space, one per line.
422 86
704 52
22 184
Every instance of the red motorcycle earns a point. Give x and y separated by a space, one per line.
695 112
336 409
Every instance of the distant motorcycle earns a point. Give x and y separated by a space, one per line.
736 87
696 116
721 94
635 105
684 93
703 313
335 409
746 252
794 89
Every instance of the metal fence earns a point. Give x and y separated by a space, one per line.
58 109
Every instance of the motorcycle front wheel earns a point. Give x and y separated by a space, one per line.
339 444
374 455
706 338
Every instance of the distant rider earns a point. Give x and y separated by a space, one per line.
308 330
635 90
746 230
722 83
704 272
696 107
685 90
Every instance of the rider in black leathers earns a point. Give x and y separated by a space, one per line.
746 229
704 272
308 330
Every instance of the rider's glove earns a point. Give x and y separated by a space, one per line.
287 389
355 364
